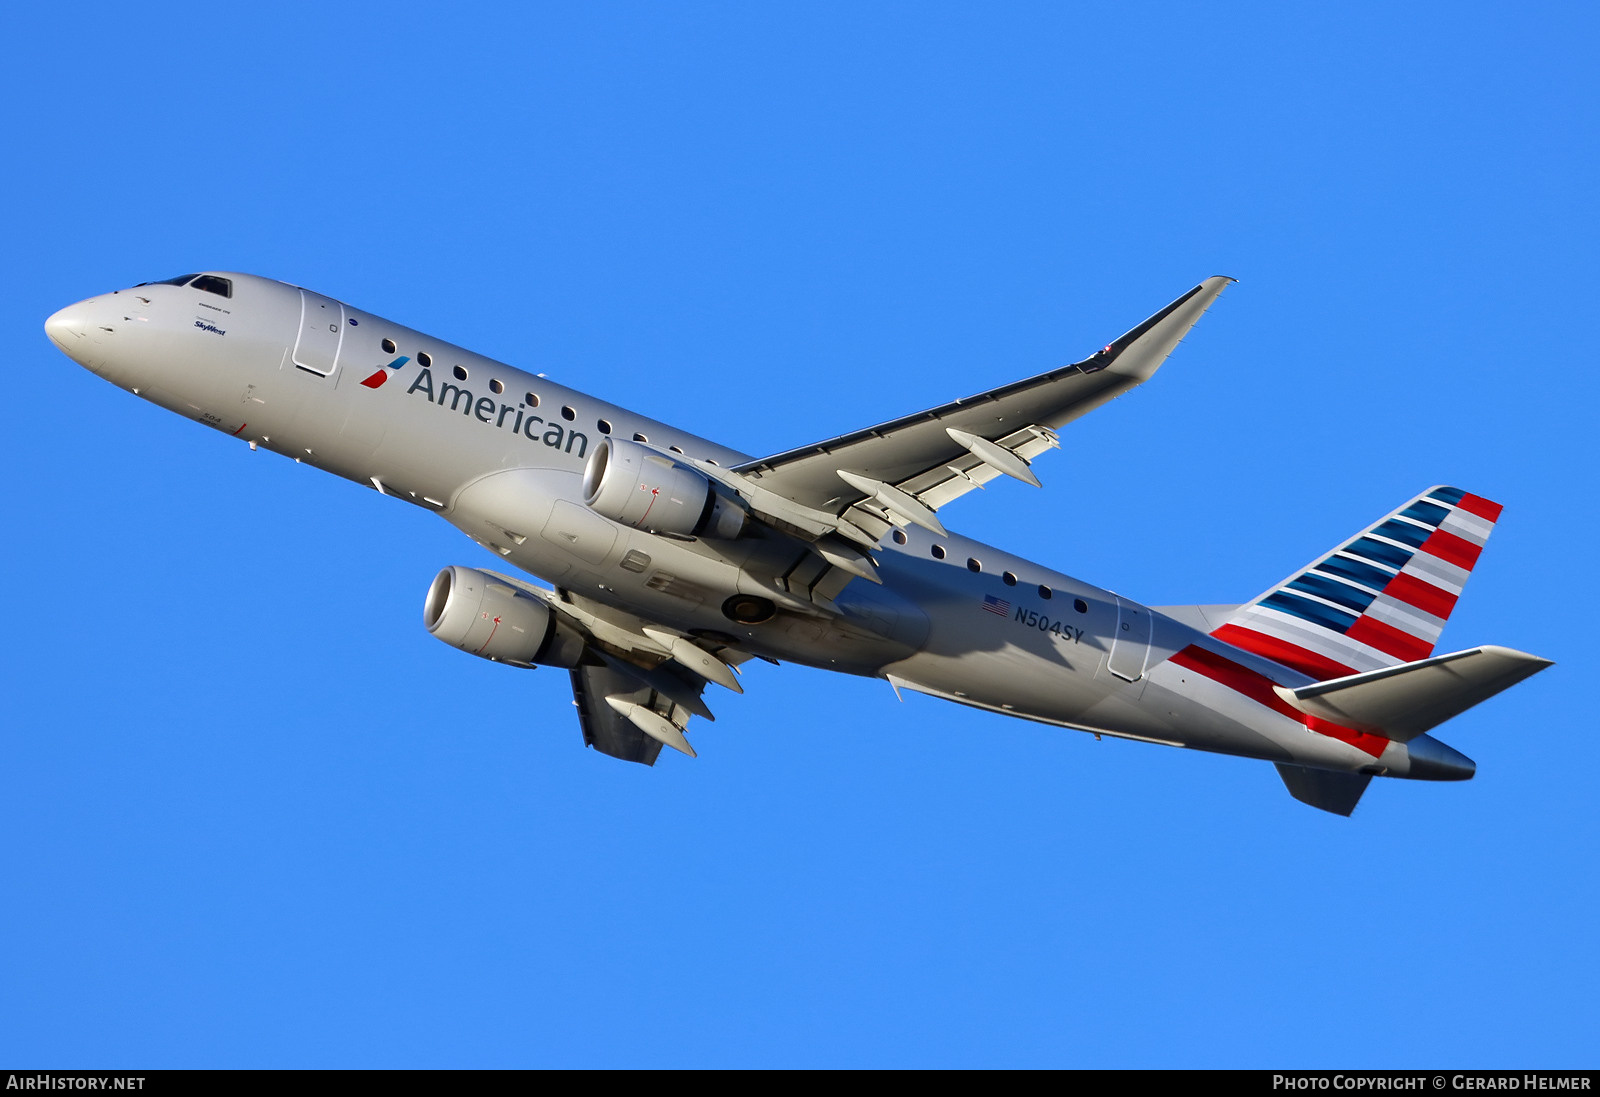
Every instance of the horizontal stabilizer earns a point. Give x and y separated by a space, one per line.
1402 702
1335 792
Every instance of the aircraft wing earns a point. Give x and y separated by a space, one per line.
596 692
637 683
644 684
907 468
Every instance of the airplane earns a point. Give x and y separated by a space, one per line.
672 560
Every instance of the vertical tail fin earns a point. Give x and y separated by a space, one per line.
1377 600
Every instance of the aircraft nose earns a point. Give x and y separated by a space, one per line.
68 328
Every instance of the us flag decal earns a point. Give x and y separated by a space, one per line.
997 606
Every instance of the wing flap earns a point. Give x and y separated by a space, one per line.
961 474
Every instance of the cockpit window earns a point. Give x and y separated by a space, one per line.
212 284
181 280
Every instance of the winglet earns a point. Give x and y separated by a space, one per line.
1141 351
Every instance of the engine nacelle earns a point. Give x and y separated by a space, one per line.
644 489
481 615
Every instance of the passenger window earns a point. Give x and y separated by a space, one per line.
973 564
532 400
637 437
675 449
496 387
604 425
460 372
1044 591
222 287
388 346
1080 605
424 359
568 414
1008 579
899 536
938 552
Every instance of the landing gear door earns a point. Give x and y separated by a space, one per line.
1130 646
321 331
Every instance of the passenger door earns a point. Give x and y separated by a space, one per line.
321 332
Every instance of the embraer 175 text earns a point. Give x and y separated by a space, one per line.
674 560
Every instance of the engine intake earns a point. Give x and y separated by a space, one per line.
639 487
484 616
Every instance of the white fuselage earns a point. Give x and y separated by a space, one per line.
500 454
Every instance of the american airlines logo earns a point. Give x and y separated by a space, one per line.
377 379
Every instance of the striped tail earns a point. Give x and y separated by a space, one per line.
1378 600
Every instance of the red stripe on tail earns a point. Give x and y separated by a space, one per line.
1240 679
1302 659
1483 508
1452 549
1389 640
1363 741
1424 595
1258 688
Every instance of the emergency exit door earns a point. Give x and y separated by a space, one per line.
1130 645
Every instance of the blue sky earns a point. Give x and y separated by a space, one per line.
255 816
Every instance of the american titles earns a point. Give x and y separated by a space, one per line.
486 409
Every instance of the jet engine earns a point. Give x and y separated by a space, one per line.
484 616
639 487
